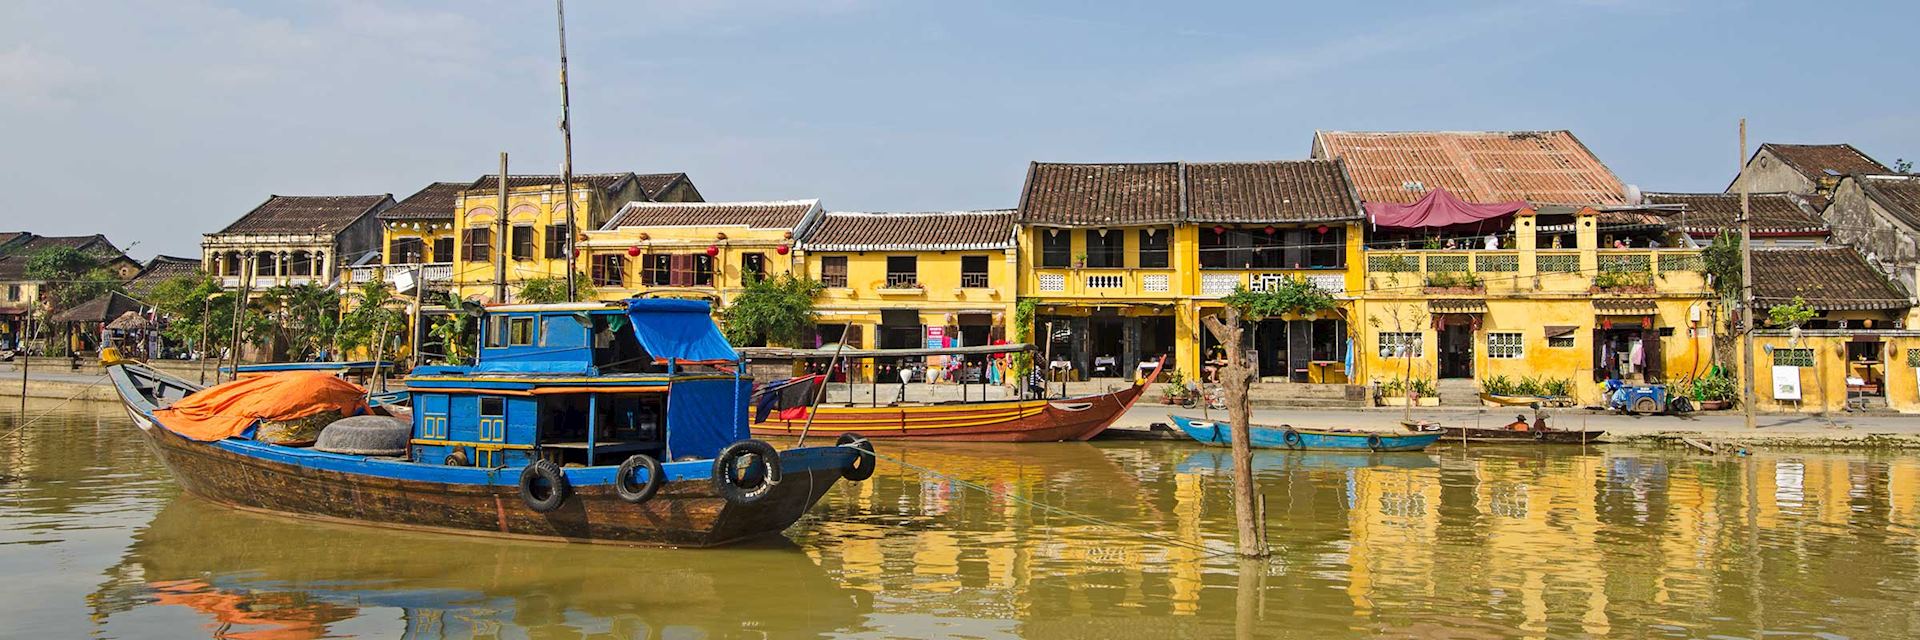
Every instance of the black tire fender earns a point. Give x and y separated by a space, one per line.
556 481
624 487
1293 440
457 459
729 478
1373 442
864 462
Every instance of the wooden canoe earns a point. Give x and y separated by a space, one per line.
1061 420
1509 436
395 493
1220 434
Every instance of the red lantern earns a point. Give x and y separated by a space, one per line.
1219 230
633 252
713 250
1646 322
1322 229
782 249
1606 324
1271 230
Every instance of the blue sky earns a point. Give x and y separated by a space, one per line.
156 121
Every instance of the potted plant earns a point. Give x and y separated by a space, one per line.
1079 261
1711 392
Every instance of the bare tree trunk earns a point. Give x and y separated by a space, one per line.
1236 380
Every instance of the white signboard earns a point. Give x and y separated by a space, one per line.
1786 382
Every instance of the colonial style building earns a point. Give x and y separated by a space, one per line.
907 280
1124 259
536 232
703 250
1515 254
1801 168
295 240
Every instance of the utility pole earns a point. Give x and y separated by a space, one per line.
206 322
566 136
1749 318
240 311
502 244
417 336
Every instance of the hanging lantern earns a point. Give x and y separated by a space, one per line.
782 249
633 252
713 250
1322 229
1646 322
720 236
1272 230
1606 324
1219 230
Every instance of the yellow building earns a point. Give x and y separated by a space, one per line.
909 280
1124 260
535 238
1857 353
702 250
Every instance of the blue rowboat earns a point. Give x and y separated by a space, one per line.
1220 434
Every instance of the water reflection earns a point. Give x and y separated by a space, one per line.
1483 542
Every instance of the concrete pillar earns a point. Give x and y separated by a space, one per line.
1526 241
1587 238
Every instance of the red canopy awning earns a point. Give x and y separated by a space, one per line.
1438 209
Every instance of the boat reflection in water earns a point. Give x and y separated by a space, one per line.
253 576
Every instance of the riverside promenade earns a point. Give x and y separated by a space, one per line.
53 380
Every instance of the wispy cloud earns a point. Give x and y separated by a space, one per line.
34 78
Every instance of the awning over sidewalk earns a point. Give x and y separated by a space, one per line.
1625 307
1457 305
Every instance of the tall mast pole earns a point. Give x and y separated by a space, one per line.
1751 317
503 243
566 136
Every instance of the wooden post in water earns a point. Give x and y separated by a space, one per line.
26 359
1236 380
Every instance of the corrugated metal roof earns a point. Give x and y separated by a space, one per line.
1542 167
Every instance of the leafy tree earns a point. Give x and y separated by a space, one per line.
1722 261
1792 315
455 336
778 310
374 317
1022 331
552 290
305 317
1288 295
187 302
70 277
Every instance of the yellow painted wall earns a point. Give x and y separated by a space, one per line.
427 231
538 206
740 241
1824 386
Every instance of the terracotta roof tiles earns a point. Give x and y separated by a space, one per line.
306 214
1775 214
1827 277
435 202
1060 194
1542 167
784 214
1256 192
1098 195
1898 194
927 231
1815 160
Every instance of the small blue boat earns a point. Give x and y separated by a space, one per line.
1220 434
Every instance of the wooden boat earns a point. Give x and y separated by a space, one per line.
1220 434
1523 401
1039 420
1210 461
554 434
1509 436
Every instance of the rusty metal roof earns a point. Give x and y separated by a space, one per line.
1541 167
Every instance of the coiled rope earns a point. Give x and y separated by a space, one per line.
927 471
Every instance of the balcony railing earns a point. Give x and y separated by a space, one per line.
973 281
899 280
435 272
1677 270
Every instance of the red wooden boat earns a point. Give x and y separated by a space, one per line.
1038 420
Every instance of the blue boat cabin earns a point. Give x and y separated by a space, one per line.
584 385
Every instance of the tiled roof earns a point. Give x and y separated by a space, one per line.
1898 194
602 181
1060 194
785 214
654 183
1774 214
10 236
306 214
1814 160
13 268
1827 277
931 231
435 202
159 269
1625 306
1541 167
105 308
25 244
1283 191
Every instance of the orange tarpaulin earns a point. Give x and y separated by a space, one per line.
226 410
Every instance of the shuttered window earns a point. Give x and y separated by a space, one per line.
556 243
522 242
833 271
479 244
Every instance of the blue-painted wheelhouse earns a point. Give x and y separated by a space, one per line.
584 385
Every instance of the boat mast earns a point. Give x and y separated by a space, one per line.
566 160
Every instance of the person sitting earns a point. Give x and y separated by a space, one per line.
1519 424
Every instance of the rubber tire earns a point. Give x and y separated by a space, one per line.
724 483
1373 442
623 479
1293 440
864 463
457 459
556 482
1540 436
1645 405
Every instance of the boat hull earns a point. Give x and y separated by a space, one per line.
1509 436
1220 434
687 511
1071 419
